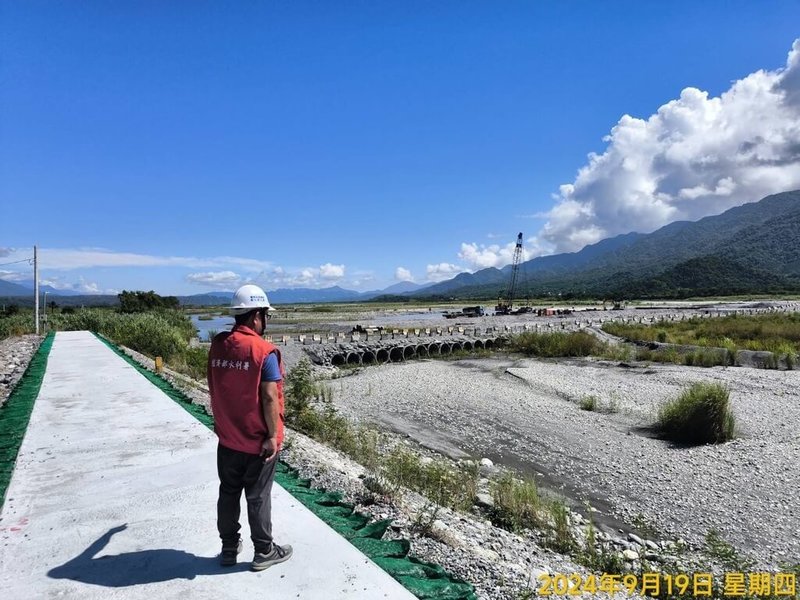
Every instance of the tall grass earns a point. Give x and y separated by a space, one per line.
576 343
772 333
20 323
164 332
700 415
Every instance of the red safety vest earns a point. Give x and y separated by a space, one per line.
234 375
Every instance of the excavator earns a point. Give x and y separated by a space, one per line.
505 304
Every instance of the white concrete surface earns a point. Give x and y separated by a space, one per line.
114 496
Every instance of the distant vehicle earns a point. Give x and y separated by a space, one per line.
469 311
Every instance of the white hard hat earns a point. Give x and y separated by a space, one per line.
249 297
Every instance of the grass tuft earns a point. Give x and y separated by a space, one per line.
700 415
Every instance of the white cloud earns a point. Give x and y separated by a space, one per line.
323 276
696 156
403 274
6 251
442 271
331 272
15 275
224 280
481 257
494 255
85 258
88 287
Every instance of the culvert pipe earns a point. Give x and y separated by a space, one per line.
354 358
382 356
467 346
445 348
478 344
409 352
338 360
368 357
396 354
434 349
422 351
455 346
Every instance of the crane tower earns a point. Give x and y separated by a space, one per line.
504 305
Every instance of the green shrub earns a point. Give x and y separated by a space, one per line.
589 403
706 357
757 332
517 504
16 323
300 389
662 355
559 536
192 362
444 485
700 415
577 343
616 352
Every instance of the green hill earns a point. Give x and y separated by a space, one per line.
753 248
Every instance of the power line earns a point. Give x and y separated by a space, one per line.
16 262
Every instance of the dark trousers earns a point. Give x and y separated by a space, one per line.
241 471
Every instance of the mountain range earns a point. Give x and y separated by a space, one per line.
752 248
24 290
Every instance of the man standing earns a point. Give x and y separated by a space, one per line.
245 380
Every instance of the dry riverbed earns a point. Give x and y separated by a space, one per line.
525 414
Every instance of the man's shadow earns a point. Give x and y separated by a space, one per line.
135 568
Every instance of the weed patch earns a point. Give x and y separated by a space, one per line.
577 343
700 415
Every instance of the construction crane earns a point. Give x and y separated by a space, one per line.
505 304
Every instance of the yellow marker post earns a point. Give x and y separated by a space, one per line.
159 364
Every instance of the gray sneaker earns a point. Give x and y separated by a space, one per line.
278 554
227 557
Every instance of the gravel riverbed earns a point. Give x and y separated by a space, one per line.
524 413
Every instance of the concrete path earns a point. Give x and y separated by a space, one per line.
114 496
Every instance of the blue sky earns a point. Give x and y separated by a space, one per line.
187 147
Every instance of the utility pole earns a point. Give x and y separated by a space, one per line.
36 289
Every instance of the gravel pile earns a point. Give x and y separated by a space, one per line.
525 414
15 354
